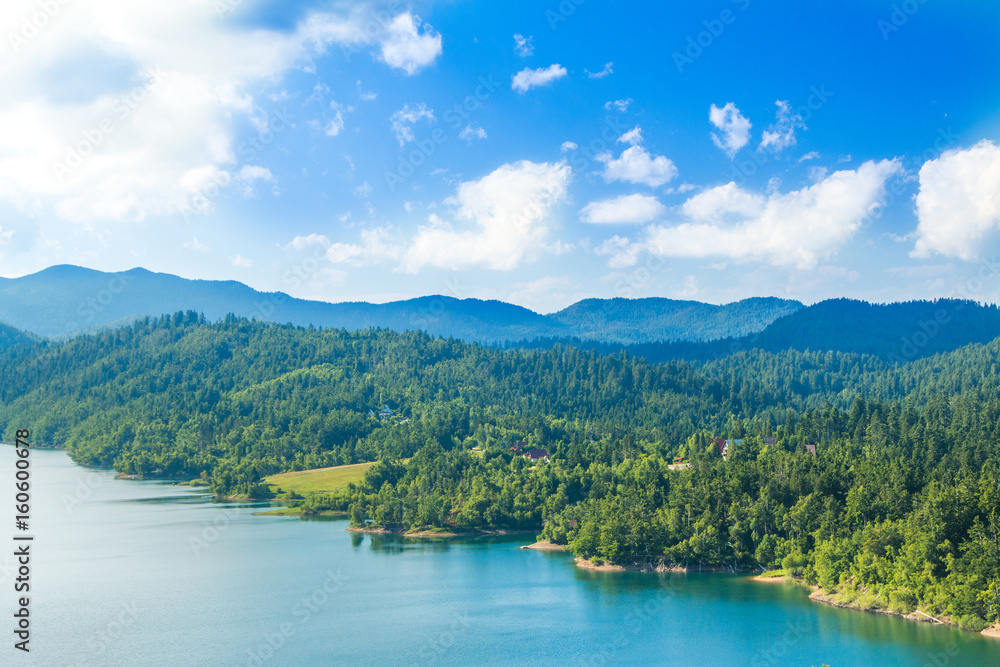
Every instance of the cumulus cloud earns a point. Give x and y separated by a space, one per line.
403 120
733 126
781 134
568 146
523 45
301 242
798 229
497 222
161 91
627 209
529 78
622 252
500 219
377 246
405 47
636 164
959 201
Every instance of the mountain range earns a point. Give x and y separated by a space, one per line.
66 300
63 301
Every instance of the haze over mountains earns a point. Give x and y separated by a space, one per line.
63 301
66 300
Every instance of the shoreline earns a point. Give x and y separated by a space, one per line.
545 545
449 534
586 564
824 597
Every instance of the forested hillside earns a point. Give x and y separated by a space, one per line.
895 332
634 321
9 337
899 507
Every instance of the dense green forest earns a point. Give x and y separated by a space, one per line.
899 507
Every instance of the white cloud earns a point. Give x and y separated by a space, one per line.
636 164
959 202
607 71
406 48
241 262
623 253
798 229
681 189
568 146
812 155
197 246
141 139
722 204
249 173
472 131
633 136
817 174
523 46
529 78
734 128
619 105
403 119
500 221
627 209
690 288
376 247
542 295
301 242
509 213
336 123
781 134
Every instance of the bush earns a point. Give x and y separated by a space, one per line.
794 563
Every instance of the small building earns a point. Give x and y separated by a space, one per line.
720 444
811 449
385 412
537 455
678 459
725 447
770 441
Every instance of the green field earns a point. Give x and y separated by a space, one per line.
321 480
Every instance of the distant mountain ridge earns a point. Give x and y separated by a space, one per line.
66 300
894 332
621 320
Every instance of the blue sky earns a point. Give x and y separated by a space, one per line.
530 152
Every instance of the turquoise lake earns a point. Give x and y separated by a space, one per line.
144 573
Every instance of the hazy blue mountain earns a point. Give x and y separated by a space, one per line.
67 300
656 319
897 332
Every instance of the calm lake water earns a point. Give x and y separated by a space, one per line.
143 573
